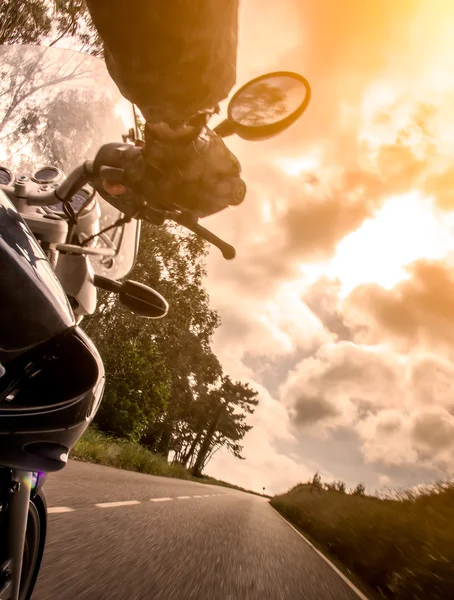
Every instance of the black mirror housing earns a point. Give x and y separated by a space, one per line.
266 106
142 300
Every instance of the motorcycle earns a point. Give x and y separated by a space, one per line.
62 236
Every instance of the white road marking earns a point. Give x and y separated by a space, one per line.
65 509
112 504
351 585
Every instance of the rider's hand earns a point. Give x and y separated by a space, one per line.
196 173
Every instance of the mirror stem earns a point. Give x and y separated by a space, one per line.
224 129
110 285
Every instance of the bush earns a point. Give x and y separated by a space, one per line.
99 448
404 548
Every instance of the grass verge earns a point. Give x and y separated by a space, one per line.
97 447
402 548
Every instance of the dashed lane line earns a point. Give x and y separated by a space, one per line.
64 509
113 504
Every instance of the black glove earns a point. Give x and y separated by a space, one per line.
197 172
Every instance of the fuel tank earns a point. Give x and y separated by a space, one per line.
33 305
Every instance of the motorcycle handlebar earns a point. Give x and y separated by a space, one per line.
83 174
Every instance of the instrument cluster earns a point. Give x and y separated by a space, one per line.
48 177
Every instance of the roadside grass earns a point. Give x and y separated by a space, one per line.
97 447
402 547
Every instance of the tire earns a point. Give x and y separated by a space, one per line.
35 539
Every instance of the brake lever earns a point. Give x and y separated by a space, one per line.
228 251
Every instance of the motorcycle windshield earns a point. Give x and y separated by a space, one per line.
57 107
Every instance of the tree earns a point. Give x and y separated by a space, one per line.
171 261
359 490
138 382
72 19
46 22
226 425
24 22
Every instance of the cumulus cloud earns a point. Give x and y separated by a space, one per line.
322 297
376 127
417 311
339 384
401 408
433 430
422 436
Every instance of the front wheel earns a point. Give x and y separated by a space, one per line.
35 538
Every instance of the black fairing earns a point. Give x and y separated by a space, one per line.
33 306
48 397
51 375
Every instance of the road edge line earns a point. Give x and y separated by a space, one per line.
350 584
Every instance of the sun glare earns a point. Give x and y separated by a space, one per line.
294 167
408 227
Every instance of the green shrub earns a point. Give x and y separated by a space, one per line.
99 448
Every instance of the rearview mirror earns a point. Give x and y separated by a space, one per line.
140 299
266 105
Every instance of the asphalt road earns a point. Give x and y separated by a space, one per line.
118 535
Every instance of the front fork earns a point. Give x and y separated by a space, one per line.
18 506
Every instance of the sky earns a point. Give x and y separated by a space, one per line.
339 306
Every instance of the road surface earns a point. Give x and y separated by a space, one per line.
119 535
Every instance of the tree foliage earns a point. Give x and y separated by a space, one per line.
186 405
44 22
24 22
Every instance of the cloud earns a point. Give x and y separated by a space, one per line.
340 383
400 408
312 409
314 228
433 430
334 391
423 436
386 440
417 311
322 297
